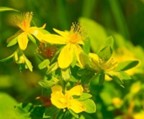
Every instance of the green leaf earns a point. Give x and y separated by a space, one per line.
3 9
37 112
101 77
86 46
23 110
44 64
24 107
118 81
12 42
13 39
28 64
95 31
76 116
7 104
50 112
124 76
60 114
109 41
84 59
8 109
52 68
32 38
85 74
90 106
122 66
66 75
94 81
48 83
86 116
106 52
84 96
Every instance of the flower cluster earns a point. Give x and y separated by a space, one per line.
65 55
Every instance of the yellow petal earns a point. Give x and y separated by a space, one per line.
21 60
94 57
76 106
54 39
28 64
62 33
65 57
108 78
23 41
77 90
58 98
43 26
78 52
35 31
94 61
56 88
14 36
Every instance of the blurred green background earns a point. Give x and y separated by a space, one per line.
125 17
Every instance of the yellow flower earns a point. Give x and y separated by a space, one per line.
26 31
72 40
66 100
100 65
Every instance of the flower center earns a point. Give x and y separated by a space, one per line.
75 34
74 38
109 65
24 21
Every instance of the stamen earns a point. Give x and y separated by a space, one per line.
23 21
76 27
75 36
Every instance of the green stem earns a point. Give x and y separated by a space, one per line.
119 18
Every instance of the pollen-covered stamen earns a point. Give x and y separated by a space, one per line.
75 28
24 21
75 36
